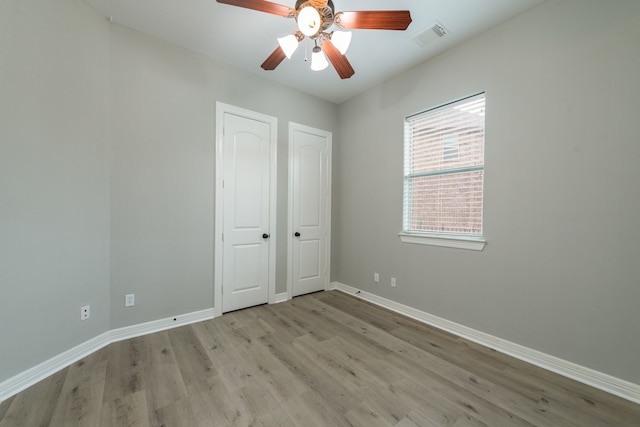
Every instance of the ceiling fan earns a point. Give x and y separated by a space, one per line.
314 19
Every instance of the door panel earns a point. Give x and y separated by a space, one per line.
246 201
310 207
310 259
246 262
310 182
247 162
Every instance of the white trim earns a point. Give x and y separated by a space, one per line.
33 375
457 242
141 329
282 297
329 137
219 213
599 380
222 108
273 208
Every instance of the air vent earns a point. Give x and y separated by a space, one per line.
426 36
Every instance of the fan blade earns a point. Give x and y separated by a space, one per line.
338 60
374 19
274 59
262 6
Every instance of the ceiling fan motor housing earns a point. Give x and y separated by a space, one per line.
315 3
324 7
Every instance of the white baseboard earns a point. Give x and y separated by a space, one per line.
281 297
49 367
605 382
599 380
41 371
141 329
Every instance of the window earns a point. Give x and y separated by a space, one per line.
444 174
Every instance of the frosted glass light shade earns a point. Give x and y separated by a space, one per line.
309 21
289 44
318 61
341 40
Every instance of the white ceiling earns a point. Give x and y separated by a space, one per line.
244 38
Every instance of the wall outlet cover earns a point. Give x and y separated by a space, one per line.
130 300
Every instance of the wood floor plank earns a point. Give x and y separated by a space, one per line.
178 413
80 401
215 342
468 421
570 398
191 357
4 406
429 403
413 420
369 369
352 329
309 409
125 368
310 374
129 410
35 405
165 384
530 409
325 359
214 405
269 370
474 365
365 416
263 406
274 316
218 341
328 362
423 380
476 383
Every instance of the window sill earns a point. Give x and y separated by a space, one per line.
458 242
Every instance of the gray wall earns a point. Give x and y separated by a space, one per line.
107 168
162 170
54 179
560 273
107 143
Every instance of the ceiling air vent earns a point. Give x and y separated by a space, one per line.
429 34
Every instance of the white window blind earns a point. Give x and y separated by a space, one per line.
444 169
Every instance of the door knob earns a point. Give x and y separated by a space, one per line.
265 236
297 234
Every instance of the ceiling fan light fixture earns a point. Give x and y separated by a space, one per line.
318 60
341 40
309 21
289 44
314 19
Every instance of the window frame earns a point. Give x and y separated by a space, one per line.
450 240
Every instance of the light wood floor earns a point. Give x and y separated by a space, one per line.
325 359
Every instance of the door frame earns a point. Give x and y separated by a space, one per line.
221 109
319 132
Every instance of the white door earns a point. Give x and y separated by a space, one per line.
247 206
310 207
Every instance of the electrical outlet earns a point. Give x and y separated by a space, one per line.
376 277
85 313
393 282
130 300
